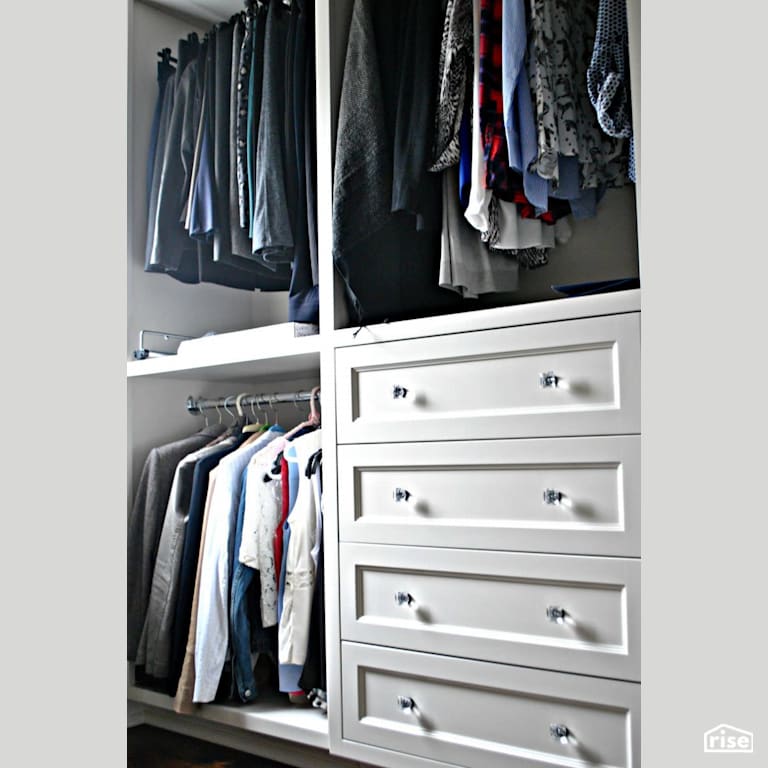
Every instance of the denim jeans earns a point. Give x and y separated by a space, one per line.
247 635
246 632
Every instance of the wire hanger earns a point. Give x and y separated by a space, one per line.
256 421
257 427
234 418
264 412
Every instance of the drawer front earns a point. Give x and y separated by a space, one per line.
487 715
494 384
576 614
577 495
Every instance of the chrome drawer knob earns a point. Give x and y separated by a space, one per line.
400 494
551 496
559 732
548 380
403 598
399 392
556 614
406 703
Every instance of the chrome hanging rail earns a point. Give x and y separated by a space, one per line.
246 400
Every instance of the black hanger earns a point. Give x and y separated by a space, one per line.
165 55
277 464
314 462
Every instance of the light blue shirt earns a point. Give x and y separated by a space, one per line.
519 120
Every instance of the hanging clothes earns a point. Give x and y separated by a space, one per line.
249 635
238 100
519 120
155 644
255 87
200 215
608 75
145 522
299 565
411 37
263 508
210 630
313 675
183 698
272 233
479 200
242 98
560 50
190 556
455 66
169 249
212 634
303 295
231 174
389 266
165 71
467 265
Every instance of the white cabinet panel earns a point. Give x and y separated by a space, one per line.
577 377
487 715
576 614
576 495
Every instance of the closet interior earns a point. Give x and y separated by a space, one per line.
479 510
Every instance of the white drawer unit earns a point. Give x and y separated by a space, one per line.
482 715
574 377
576 495
575 614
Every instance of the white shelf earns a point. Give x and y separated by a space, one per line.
245 360
547 311
270 716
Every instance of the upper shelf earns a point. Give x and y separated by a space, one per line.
259 352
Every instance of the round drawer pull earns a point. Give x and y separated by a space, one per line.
552 496
406 703
404 598
400 494
559 732
548 380
399 392
556 614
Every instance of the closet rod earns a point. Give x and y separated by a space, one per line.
201 404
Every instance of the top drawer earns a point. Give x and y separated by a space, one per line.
575 377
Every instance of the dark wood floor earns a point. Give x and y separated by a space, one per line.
150 747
